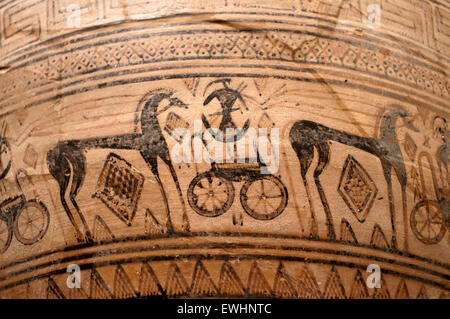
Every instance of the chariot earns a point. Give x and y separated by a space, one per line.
28 220
430 218
262 196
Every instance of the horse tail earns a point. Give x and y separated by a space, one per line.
66 163
58 160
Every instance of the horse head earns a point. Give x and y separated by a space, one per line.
399 112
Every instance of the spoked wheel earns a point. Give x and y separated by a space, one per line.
5 235
31 222
210 195
264 198
427 222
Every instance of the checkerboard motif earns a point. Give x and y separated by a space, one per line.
119 187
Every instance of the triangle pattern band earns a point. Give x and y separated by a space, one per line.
229 283
99 289
176 284
122 284
334 289
148 282
257 283
202 284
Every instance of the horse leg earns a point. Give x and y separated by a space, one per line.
387 176
405 218
64 181
305 164
78 233
400 171
314 228
324 156
66 165
305 156
153 163
442 164
87 234
78 172
186 225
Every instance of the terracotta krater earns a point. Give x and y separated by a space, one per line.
228 148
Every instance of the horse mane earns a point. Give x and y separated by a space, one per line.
141 104
390 109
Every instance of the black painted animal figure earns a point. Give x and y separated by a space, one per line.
66 162
443 154
443 159
305 136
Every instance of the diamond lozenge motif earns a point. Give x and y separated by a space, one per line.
357 188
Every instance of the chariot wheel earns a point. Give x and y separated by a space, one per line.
5 157
31 222
264 198
5 235
210 195
428 222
